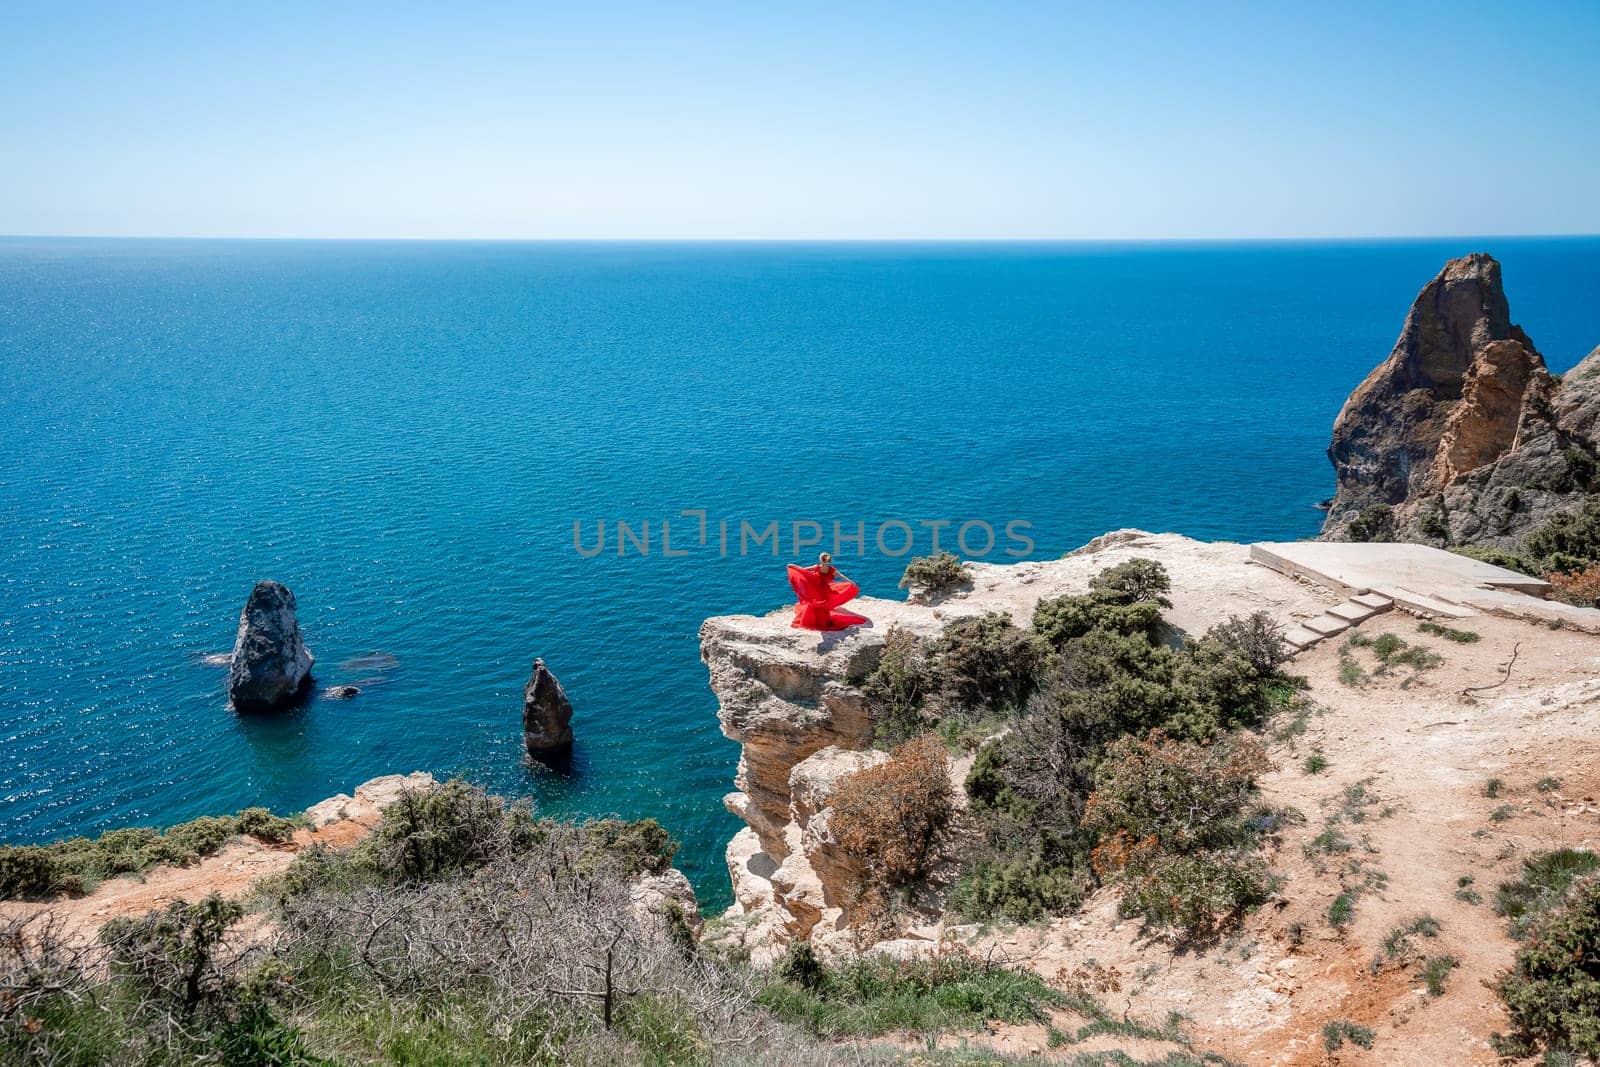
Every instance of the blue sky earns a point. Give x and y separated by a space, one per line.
925 120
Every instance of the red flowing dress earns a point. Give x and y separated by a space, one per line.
819 597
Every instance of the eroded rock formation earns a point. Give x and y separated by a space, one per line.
1461 435
270 666
546 714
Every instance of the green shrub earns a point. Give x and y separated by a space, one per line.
1184 797
1435 521
257 1038
76 864
932 576
1552 991
1110 678
1435 970
897 689
1375 522
1543 880
1058 620
1567 541
430 833
187 842
1019 889
1256 638
1131 582
26 871
1170 817
988 662
265 826
639 846
1195 894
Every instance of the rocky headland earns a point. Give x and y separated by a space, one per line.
1462 435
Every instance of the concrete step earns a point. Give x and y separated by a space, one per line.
1326 625
1351 612
1376 601
1300 638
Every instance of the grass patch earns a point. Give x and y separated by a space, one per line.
1460 637
1399 940
1502 813
1493 788
1548 784
1435 970
1315 763
1464 891
1391 651
1336 1033
875 995
1342 910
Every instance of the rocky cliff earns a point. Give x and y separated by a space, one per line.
791 698
1461 435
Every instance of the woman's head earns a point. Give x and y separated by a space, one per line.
825 559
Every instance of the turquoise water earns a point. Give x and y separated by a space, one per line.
404 433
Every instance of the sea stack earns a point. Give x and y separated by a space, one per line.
271 665
546 715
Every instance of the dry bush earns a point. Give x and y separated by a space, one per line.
893 817
43 974
1580 587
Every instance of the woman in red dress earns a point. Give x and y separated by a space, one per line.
821 590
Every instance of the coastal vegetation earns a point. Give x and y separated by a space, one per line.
1550 991
464 930
78 864
1105 738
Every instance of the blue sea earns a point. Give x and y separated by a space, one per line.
406 433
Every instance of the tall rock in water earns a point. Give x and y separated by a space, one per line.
271 666
546 715
1461 435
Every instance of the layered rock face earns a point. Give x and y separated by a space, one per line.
270 666
546 714
1461 432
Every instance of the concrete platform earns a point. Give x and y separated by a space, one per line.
1423 580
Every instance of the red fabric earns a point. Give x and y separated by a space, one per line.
819 597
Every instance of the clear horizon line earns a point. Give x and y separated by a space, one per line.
805 240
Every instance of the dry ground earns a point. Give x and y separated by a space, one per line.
1420 755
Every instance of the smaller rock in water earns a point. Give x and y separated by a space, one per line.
546 715
270 666
342 692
